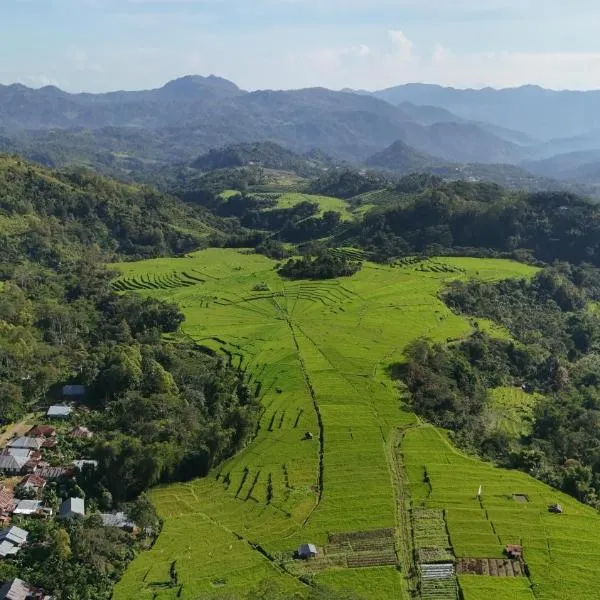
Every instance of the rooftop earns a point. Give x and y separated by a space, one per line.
33 443
72 507
59 411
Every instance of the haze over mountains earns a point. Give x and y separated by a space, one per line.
191 115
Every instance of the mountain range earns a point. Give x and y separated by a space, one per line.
123 132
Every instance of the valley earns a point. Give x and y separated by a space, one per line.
318 354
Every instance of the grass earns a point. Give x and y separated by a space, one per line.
560 550
326 203
512 410
317 354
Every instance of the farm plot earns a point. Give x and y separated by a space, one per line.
364 548
559 568
317 355
326 203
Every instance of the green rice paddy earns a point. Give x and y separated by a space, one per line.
317 354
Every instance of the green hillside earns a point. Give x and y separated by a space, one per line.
317 353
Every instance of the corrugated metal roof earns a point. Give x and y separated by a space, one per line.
59 411
72 507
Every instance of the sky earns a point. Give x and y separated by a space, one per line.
103 45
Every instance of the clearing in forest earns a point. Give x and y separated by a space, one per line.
317 354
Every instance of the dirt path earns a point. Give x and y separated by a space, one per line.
23 426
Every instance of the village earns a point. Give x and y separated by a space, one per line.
39 470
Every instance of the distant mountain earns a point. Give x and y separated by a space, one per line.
461 142
537 112
401 159
193 114
582 167
180 100
267 155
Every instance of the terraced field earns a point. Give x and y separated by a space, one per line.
317 354
561 551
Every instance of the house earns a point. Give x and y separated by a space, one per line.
13 465
555 508
17 589
513 551
45 431
33 482
59 412
81 464
120 520
308 551
73 508
47 472
7 501
27 507
11 540
31 443
73 391
81 433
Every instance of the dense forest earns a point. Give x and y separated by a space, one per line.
555 329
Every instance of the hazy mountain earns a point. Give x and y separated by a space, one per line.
402 159
583 167
535 111
190 115
461 142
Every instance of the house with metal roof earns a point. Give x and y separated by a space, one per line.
31 443
11 540
46 431
308 551
27 507
33 482
59 411
13 464
17 589
72 508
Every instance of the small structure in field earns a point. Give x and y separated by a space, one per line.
514 551
81 433
59 411
556 509
308 436
73 508
307 551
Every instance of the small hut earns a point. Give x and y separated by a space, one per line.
514 551
307 551
556 508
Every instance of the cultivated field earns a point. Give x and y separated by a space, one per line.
317 354
561 551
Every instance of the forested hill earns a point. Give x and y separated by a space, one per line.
47 215
433 216
159 410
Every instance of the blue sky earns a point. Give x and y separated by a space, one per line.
100 45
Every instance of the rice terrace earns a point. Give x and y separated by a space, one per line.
389 503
